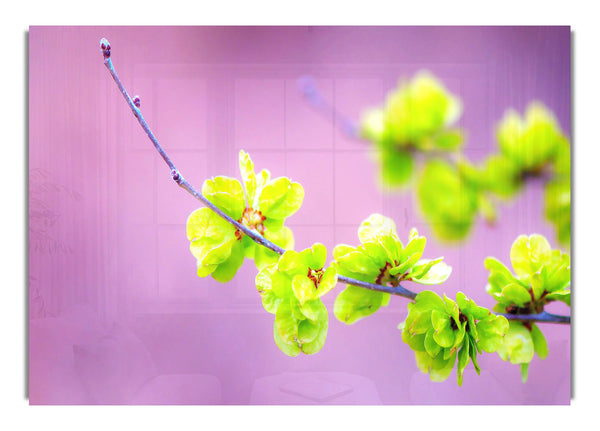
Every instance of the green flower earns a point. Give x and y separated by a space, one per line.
558 208
443 332
292 289
531 142
262 205
558 195
520 343
541 275
449 198
382 259
416 117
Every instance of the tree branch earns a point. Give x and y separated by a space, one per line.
134 104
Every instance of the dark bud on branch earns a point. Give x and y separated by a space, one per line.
176 176
105 47
136 101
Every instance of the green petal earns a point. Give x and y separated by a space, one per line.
449 140
491 333
289 349
430 344
304 288
423 361
227 194
281 284
291 264
372 125
374 226
463 361
564 296
442 368
433 274
397 167
285 323
445 337
440 320
528 254
204 224
328 281
355 303
226 270
313 310
357 262
429 300
248 175
307 331
315 256
315 345
280 198
524 371
406 265
376 253
539 342
517 345
415 247
516 294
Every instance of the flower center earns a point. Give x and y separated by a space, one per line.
315 276
252 219
385 277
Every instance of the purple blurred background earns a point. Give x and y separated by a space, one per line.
117 313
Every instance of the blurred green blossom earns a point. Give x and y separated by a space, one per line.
381 258
262 205
541 275
417 117
531 142
292 289
443 332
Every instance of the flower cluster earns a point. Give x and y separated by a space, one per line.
381 258
443 332
292 289
261 205
417 116
542 275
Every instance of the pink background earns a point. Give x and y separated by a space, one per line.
117 314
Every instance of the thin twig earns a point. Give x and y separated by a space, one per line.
539 317
255 236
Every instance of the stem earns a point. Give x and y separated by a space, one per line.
543 317
184 184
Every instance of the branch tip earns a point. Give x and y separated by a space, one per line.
105 47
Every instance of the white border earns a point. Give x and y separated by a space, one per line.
15 21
